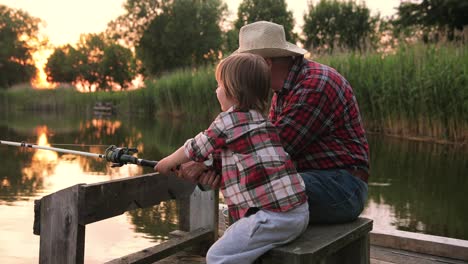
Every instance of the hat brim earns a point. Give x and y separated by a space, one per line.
289 50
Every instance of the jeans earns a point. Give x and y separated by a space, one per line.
335 196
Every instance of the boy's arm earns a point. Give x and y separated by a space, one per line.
171 162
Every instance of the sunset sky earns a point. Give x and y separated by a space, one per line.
67 19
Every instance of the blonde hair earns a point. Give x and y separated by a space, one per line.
245 78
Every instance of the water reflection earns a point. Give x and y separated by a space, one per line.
28 174
418 187
415 186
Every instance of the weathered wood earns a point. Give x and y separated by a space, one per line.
112 198
204 214
421 243
384 255
62 237
323 244
63 215
204 209
166 249
37 217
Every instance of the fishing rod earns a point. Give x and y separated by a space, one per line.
118 156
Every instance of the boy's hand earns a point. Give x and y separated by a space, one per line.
165 166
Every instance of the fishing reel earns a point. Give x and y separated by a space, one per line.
120 156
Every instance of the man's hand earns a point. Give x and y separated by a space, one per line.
191 171
210 178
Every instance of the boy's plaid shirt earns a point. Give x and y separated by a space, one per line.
318 120
256 171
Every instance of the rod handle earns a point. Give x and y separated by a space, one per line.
148 163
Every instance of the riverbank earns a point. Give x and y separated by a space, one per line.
419 92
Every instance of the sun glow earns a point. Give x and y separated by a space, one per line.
40 80
44 155
43 161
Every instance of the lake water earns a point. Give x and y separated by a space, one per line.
415 186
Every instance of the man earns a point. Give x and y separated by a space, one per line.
318 119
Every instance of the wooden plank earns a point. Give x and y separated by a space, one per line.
356 252
112 198
421 243
388 255
318 242
62 237
183 257
166 249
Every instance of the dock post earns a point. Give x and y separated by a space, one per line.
200 210
62 236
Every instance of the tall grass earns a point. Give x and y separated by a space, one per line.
418 91
186 91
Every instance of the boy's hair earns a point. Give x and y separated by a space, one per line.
246 78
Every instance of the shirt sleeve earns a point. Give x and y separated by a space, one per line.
206 142
306 114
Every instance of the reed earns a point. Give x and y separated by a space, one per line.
420 90
186 91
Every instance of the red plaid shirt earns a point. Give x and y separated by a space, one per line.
256 171
317 116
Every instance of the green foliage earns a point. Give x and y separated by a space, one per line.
332 24
130 26
433 14
95 62
60 66
418 91
186 92
18 31
185 34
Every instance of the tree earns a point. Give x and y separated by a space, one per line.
185 33
18 34
440 15
60 67
96 62
330 24
250 11
129 27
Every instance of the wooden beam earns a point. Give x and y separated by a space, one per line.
112 198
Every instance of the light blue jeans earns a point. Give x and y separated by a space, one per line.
250 237
335 196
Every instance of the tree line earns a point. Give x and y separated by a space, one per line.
156 36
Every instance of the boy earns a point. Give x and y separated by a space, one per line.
264 193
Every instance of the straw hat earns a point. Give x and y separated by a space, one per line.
266 39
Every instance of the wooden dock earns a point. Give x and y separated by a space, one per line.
396 247
379 255
61 218
103 109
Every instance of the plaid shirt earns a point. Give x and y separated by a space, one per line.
318 120
256 171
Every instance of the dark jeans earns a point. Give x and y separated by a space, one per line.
335 196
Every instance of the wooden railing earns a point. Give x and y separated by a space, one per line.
61 217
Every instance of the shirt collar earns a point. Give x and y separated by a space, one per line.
292 75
